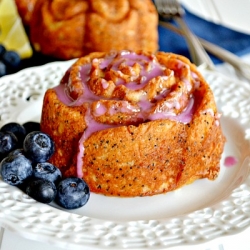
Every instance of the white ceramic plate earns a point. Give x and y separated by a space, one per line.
193 214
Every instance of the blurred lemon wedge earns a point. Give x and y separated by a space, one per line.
12 33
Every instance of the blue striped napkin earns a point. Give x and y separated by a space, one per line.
234 41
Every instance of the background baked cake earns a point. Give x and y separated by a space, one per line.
70 29
25 9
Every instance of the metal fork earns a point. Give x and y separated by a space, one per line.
171 9
242 68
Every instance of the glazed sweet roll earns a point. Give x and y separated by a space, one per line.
134 123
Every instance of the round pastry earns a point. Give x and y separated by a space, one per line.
70 29
25 9
134 123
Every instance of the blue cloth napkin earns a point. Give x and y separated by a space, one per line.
234 41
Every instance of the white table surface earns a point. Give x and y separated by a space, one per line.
235 15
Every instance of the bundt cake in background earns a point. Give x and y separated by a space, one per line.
70 29
25 9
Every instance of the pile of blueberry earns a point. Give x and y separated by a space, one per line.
9 61
24 155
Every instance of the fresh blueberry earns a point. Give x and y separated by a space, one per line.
38 146
11 59
8 142
17 129
41 190
3 69
2 50
15 169
47 171
72 193
31 126
18 151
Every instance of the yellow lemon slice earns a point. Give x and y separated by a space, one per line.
12 33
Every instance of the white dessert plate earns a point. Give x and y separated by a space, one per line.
194 214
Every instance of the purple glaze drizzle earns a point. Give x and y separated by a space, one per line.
230 161
92 126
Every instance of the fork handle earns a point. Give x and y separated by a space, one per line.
197 52
225 55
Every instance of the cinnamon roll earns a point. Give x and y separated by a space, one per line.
134 123
70 29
